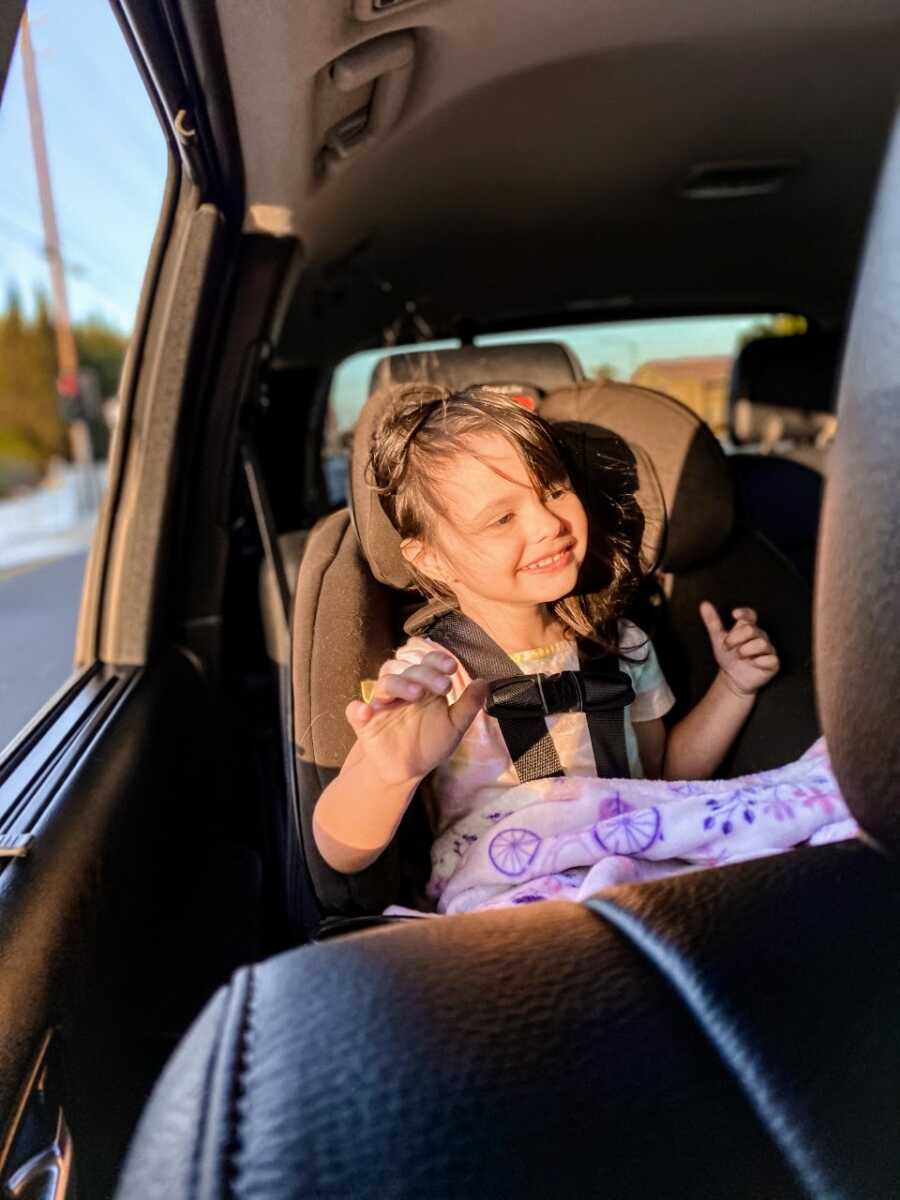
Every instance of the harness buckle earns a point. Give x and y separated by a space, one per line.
562 692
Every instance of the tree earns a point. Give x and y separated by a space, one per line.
31 425
101 349
780 325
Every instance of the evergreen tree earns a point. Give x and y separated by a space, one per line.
31 426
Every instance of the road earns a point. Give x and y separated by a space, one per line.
38 616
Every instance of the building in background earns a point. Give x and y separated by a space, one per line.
700 383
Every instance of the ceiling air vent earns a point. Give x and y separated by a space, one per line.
728 180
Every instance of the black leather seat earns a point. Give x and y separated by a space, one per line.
727 1034
695 1037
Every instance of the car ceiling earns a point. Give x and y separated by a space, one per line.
537 167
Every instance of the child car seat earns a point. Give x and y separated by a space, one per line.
709 553
345 617
350 599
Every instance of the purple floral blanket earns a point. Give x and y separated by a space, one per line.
565 838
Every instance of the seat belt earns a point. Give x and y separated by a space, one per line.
521 702
265 522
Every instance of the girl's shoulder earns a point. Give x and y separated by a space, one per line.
653 696
632 639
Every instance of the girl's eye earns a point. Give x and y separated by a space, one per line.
557 493
505 519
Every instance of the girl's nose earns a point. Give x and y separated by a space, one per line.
546 523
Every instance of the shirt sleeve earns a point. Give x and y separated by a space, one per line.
652 695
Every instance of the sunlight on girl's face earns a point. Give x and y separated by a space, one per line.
498 540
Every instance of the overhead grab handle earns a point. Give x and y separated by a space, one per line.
387 62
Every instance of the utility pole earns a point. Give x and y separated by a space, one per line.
67 382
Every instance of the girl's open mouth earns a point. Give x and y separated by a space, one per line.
553 562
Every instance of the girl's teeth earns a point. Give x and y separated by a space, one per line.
545 562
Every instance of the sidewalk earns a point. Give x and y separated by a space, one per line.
55 519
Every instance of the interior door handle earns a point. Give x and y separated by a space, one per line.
36 1156
45 1176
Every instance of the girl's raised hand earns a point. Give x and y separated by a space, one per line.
408 728
746 657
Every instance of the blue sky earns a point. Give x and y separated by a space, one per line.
107 163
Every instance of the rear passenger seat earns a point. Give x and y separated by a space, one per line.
782 415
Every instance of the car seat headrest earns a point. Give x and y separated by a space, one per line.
678 465
532 368
689 463
788 377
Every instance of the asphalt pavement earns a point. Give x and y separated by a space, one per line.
38 616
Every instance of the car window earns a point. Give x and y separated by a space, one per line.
690 358
82 172
349 390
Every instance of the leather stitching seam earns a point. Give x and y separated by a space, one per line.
239 1089
202 1123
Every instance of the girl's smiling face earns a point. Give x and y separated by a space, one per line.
497 539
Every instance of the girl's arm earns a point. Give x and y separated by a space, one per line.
697 744
402 734
357 815
695 747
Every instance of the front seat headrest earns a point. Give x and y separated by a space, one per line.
787 375
858 570
690 465
534 368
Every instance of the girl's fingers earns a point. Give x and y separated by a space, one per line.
759 645
435 681
398 687
414 683
740 633
767 662
468 706
745 614
358 714
434 661
438 661
711 618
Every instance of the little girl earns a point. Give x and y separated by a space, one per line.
476 487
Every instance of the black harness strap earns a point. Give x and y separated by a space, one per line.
522 702
527 738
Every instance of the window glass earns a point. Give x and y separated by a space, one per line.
690 358
82 171
687 357
349 391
